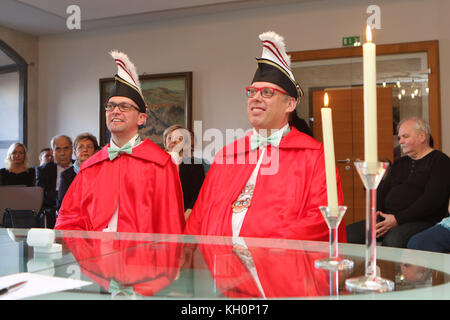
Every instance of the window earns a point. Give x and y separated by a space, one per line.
13 88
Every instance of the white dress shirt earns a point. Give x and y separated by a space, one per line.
238 217
112 225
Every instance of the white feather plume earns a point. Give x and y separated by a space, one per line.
279 43
129 66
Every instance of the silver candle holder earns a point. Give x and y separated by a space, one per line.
333 217
371 174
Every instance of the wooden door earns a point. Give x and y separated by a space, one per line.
348 131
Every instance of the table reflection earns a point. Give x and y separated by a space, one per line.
412 272
155 266
241 270
125 266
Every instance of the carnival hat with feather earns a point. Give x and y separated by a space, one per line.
274 66
126 82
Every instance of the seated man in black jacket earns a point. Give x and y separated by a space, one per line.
415 193
47 176
84 146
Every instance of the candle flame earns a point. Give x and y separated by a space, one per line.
368 34
325 99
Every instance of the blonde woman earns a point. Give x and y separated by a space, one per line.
16 171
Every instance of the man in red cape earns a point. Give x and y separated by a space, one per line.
271 182
130 185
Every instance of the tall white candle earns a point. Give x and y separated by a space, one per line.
370 99
330 165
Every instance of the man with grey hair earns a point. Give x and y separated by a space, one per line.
48 175
415 193
419 125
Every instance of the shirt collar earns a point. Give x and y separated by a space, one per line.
76 167
132 141
279 133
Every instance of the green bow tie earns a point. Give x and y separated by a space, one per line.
127 148
256 141
114 152
116 288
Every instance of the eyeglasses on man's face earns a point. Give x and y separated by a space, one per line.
123 107
266 92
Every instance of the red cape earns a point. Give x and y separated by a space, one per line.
145 185
284 204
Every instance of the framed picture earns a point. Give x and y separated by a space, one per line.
169 100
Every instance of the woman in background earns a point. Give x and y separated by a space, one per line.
178 142
17 171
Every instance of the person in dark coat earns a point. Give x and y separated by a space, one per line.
47 176
178 142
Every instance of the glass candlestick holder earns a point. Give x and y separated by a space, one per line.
371 174
333 217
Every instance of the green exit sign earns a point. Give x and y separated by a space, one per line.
351 41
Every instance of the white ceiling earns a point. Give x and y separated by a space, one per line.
41 17
94 9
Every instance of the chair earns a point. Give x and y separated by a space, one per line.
20 198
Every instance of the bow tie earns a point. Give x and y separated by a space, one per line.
116 288
256 141
114 152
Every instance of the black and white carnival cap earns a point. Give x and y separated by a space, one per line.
275 65
127 80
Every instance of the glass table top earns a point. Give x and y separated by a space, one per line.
159 266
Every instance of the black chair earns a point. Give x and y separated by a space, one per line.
21 198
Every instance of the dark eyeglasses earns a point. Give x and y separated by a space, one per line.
266 92
123 106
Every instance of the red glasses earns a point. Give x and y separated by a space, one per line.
266 92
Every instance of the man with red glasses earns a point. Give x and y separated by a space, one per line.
131 185
271 182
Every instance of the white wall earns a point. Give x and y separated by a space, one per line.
220 50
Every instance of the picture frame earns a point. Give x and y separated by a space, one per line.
169 100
